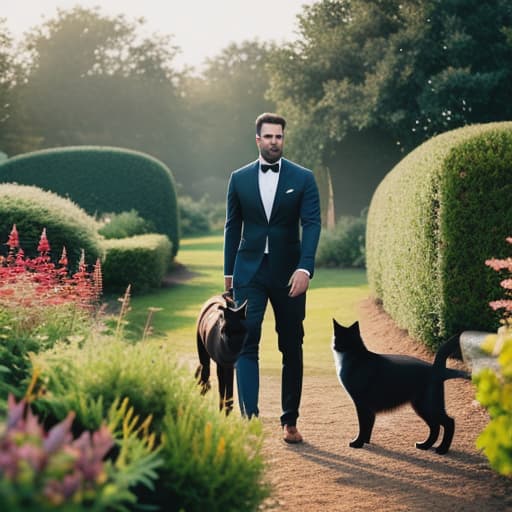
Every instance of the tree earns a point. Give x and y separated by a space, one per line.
223 104
403 70
14 133
94 79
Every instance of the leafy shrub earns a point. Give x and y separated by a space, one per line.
140 261
51 470
344 245
32 210
494 392
103 179
210 461
40 303
124 225
447 198
494 388
194 218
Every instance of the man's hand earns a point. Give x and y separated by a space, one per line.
228 283
299 283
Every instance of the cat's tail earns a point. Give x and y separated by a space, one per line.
447 348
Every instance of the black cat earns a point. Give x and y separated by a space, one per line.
220 335
378 382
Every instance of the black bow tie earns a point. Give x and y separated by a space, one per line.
273 167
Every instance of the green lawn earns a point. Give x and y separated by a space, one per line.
333 293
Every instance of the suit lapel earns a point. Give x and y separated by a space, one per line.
281 186
254 185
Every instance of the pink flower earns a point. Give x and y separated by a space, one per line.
59 434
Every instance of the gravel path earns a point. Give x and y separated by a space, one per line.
390 474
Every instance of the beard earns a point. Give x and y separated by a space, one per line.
271 156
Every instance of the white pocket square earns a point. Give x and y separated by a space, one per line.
289 191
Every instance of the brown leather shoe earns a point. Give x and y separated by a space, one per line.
291 434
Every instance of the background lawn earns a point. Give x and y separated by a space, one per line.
333 293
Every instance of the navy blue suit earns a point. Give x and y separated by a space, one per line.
293 231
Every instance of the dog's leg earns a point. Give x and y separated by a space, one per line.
225 375
203 370
449 429
222 386
366 419
229 376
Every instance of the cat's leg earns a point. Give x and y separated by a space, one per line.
449 429
366 419
425 413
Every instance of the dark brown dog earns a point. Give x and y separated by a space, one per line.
220 333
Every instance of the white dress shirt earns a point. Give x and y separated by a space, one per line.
267 182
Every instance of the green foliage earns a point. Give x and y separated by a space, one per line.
429 231
494 392
32 329
227 99
101 180
124 225
211 462
67 225
194 216
344 245
141 261
81 378
412 69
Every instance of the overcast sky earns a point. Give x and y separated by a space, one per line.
201 28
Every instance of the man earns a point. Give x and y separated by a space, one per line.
267 259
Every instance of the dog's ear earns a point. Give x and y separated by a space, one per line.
355 326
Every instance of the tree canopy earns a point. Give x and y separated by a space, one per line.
413 68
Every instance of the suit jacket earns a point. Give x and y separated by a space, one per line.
296 205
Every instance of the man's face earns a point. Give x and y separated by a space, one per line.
270 142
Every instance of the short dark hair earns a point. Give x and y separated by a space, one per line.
271 118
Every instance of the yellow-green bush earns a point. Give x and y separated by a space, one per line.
433 221
141 261
33 209
103 180
494 392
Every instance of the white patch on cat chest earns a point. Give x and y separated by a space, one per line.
338 362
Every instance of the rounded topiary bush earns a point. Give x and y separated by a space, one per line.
103 180
67 225
432 223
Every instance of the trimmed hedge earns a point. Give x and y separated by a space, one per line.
33 209
141 261
103 180
432 223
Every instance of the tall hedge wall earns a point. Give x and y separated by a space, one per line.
432 223
33 209
103 180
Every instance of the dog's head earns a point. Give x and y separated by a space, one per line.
233 328
347 339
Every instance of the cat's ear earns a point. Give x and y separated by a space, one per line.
336 325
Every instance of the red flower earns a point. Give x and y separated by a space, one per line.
44 245
13 241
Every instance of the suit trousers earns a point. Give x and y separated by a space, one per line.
289 314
